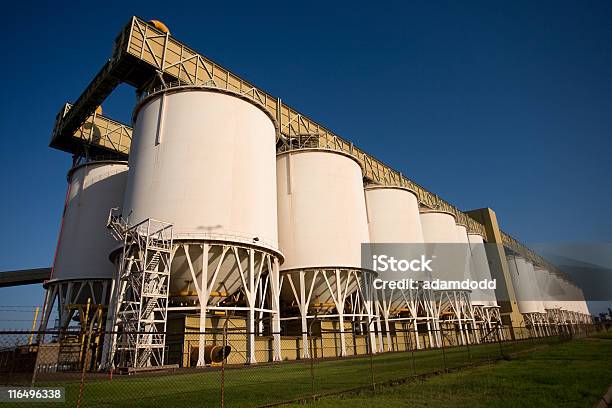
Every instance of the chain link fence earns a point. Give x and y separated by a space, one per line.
221 375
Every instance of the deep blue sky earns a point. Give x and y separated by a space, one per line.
500 104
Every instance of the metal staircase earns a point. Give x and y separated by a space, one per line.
141 296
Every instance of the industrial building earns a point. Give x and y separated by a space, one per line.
225 206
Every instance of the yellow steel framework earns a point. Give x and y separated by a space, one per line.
144 56
103 133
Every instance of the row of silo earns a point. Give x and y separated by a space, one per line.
272 239
203 161
448 241
547 301
320 199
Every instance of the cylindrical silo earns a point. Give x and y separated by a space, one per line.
483 299
393 219
541 283
393 216
203 160
438 227
541 276
82 269
555 290
322 224
527 293
521 272
481 271
448 254
538 297
463 242
551 292
440 236
569 302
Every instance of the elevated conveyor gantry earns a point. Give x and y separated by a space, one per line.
146 57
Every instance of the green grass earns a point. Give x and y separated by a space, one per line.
572 374
568 370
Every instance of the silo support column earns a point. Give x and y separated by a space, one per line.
457 310
381 342
417 341
372 336
203 287
429 305
380 310
412 303
202 336
50 296
203 291
109 326
250 284
429 334
303 313
273 267
384 309
339 298
64 301
251 337
303 301
342 334
372 307
389 340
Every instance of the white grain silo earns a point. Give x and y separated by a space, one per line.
559 295
82 269
550 290
440 235
523 280
393 218
570 305
322 225
463 242
541 318
540 295
202 161
483 300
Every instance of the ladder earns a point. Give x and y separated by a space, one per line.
141 292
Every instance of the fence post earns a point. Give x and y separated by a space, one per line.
224 335
312 378
443 350
311 350
467 346
35 371
501 350
412 355
370 349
